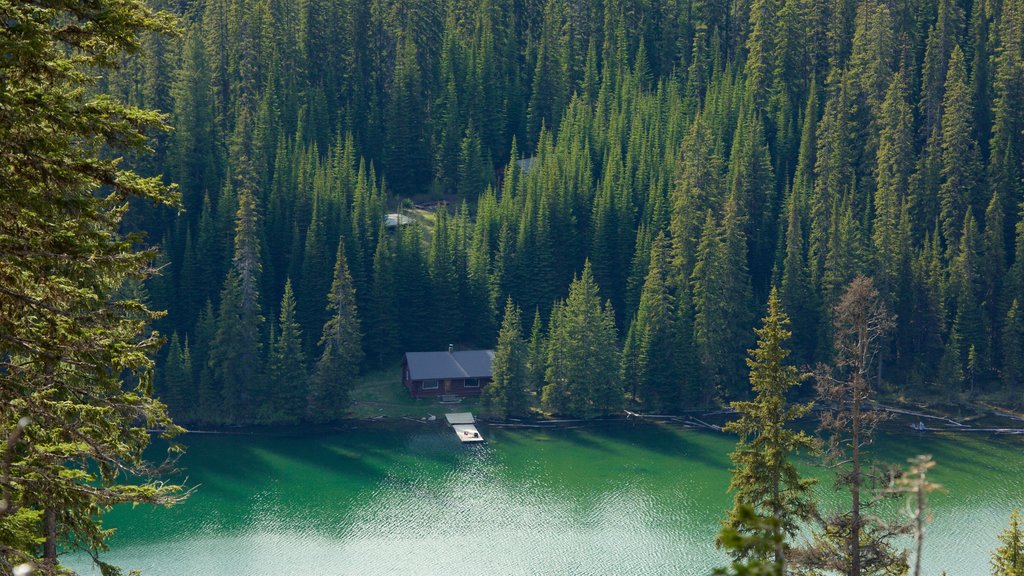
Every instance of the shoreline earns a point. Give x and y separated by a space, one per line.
987 419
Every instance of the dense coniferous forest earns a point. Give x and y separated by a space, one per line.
671 160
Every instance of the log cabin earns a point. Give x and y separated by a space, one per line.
451 373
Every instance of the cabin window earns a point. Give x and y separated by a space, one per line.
429 385
471 383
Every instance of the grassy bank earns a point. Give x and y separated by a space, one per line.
380 393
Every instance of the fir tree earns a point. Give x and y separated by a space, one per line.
284 402
657 379
582 376
340 346
507 393
957 194
1013 351
764 476
176 383
77 398
236 353
1008 559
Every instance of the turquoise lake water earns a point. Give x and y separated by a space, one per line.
614 499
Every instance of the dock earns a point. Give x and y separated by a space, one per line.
464 425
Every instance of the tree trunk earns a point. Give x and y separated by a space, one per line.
50 544
855 487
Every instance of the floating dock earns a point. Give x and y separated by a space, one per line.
464 426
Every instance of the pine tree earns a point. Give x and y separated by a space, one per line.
764 477
536 355
284 402
381 315
582 376
1013 350
236 352
894 165
1008 559
77 383
507 393
341 349
960 163
177 387
658 381
795 294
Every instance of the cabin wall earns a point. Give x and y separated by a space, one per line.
455 387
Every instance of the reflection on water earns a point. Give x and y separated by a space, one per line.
625 501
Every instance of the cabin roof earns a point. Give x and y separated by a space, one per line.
394 220
449 365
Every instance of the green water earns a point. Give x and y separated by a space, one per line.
621 500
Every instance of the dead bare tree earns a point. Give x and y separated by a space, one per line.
854 542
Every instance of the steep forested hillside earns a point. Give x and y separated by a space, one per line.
696 152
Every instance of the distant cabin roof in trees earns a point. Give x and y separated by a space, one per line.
524 164
449 365
394 220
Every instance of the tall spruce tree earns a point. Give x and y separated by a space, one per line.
288 380
582 377
236 352
508 394
658 381
764 476
341 349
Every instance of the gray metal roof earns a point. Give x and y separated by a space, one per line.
449 365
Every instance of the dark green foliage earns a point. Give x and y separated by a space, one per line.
582 377
286 388
825 138
340 347
236 352
176 384
76 381
1013 351
508 393
752 538
650 363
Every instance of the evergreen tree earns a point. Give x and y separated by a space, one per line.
764 477
657 379
507 393
960 164
341 349
1008 559
77 398
381 315
536 355
284 402
236 352
582 376
1013 350
176 383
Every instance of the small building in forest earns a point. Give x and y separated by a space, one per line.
451 373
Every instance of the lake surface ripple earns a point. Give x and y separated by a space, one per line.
616 500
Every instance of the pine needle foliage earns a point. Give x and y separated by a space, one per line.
764 476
